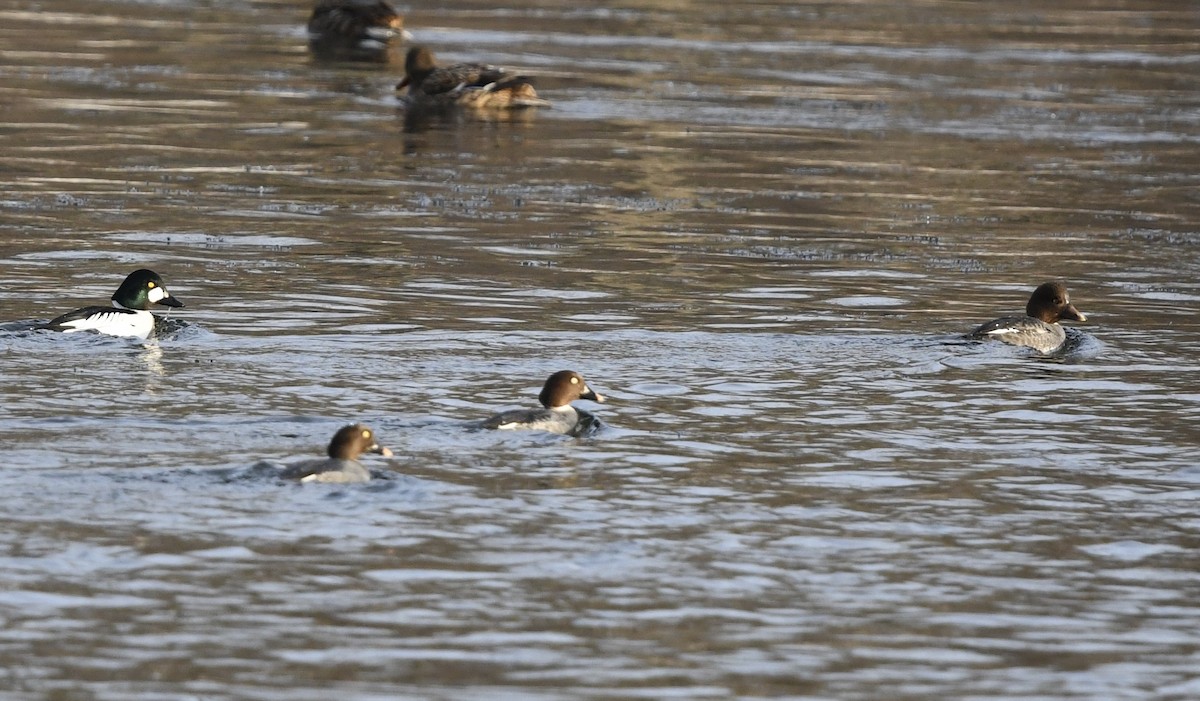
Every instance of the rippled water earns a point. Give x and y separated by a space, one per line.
760 229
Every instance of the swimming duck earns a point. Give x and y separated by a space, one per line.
355 30
1039 328
129 315
342 465
556 415
464 84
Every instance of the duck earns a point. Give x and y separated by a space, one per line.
354 30
129 316
463 84
342 465
1039 328
556 414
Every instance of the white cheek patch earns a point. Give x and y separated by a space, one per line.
157 293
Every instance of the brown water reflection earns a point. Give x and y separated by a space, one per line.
758 228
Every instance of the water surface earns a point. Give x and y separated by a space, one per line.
759 229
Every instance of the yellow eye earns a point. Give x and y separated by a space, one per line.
574 380
366 434
150 285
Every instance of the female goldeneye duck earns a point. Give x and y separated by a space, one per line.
556 415
342 465
354 30
129 315
465 84
1039 328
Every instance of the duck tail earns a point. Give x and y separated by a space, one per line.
517 92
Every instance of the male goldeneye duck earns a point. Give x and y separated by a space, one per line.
556 415
1039 328
354 30
342 465
465 84
129 315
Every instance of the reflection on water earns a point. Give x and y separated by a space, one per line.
763 229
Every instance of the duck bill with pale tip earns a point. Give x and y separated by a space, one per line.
1070 312
589 393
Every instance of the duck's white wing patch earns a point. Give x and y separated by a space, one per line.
1028 331
118 322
